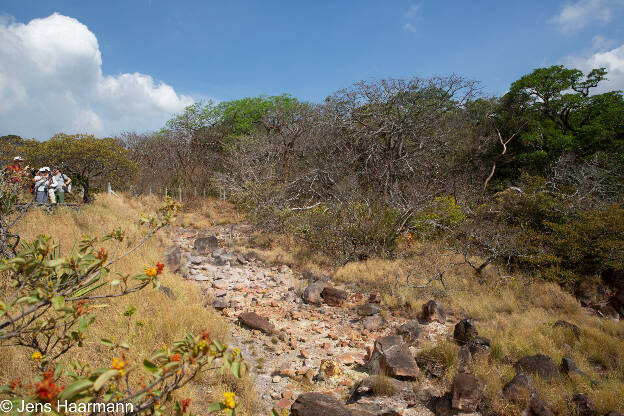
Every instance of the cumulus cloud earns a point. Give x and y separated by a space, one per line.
51 80
574 16
612 59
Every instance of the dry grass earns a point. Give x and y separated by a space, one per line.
383 385
158 320
517 314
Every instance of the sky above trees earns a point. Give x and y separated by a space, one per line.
108 67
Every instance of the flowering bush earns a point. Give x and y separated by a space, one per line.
47 307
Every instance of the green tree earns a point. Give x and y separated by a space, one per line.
89 161
561 114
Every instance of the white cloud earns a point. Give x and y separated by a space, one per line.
574 16
601 44
408 27
51 81
612 59
413 11
411 15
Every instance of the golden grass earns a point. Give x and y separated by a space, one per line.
158 320
517 314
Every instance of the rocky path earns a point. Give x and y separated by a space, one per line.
302 334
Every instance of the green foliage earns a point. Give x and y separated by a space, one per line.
351 231
89 161
587 244
47 307
442 214
558 115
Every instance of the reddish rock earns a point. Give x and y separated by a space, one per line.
287 394
538 407
319 404
519 389
374 298
284 403
346 358
465 331
539 364
394 358
312 293
434 311
304 353
467 392
583 405
333 296
255 321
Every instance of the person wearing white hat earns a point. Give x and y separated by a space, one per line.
44 182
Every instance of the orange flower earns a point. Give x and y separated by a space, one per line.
159 267
102 254
176 357
151 271
205 335
119 365
15 383
80 308
185 404
46 390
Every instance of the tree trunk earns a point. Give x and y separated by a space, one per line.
86 197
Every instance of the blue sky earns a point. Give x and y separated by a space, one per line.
231 49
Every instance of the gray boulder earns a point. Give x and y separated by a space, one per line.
205 245
173 258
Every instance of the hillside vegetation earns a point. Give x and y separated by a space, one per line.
146 320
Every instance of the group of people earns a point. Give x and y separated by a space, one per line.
47 185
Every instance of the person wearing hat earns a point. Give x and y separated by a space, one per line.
62 183
44 181
16 170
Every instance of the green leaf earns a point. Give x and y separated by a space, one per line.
215 407
85 290
150 366
5 389
82 324
107 342
54 263
236 368
74 389
103 378
130 311
58 370
58 302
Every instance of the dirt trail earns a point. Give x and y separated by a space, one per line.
287 362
